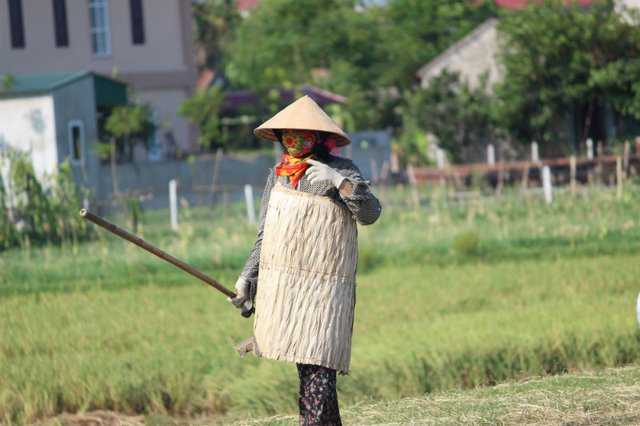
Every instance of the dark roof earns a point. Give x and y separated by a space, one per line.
108 91
519 4
240 98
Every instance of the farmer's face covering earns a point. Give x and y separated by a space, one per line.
298 142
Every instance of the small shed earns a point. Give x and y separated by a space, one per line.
371 151
54 117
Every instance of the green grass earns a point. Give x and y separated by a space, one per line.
105 326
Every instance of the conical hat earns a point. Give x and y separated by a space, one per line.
303 114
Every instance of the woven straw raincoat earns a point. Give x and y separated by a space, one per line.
304 265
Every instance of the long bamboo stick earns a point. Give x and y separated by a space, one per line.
85 213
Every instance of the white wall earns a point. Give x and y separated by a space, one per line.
165 103
28 125
471 57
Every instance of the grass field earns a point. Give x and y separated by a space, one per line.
105 326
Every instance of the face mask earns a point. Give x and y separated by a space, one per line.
298 142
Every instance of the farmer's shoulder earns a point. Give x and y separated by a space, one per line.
342 163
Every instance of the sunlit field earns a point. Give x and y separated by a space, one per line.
450 295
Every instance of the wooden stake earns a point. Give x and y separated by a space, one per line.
573 172
216 174
525 178
619 177
414 187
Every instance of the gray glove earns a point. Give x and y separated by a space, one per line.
242 293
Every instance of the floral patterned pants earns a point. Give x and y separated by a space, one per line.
318 398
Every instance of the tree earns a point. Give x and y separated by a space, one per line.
127 125
368 51
213 25
458 116
204 108
561 60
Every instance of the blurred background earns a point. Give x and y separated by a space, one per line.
502 137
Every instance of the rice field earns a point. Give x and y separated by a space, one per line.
450 295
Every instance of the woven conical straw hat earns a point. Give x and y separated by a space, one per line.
303 114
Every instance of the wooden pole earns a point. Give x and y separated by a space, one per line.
573 173
154 250
619 177
414 187
525 178
216 175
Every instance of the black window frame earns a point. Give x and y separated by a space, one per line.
60 23
137 21
16 23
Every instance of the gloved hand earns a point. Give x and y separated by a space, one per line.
242 293
320 172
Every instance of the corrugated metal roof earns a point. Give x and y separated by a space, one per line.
26 84
107 90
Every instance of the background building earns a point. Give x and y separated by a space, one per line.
147 44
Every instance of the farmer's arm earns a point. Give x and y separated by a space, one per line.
356 194
250 271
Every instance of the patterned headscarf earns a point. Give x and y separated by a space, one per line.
298 144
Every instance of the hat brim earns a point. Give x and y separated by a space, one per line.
303 114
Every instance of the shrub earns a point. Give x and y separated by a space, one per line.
467 242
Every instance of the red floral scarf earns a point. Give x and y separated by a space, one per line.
292 167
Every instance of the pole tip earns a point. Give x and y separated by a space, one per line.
83 212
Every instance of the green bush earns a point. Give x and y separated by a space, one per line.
467 242
37 211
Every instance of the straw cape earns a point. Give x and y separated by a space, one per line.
303 114
306 294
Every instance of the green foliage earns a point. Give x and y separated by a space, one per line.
8 81
459 116
204 108
357 52
127 120
466 242
213 25
37 211
560 58
417 31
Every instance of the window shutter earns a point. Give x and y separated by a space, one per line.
137 21
16 22
60 23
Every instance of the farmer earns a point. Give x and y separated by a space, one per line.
302 268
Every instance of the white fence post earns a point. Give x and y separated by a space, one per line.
248 196
546 184
491 154
440 158
173 203
535 156
589 149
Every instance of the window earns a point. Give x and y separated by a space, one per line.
76 141
137 21
16 22
60 23
99 23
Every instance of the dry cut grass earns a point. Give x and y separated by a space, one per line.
606 397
